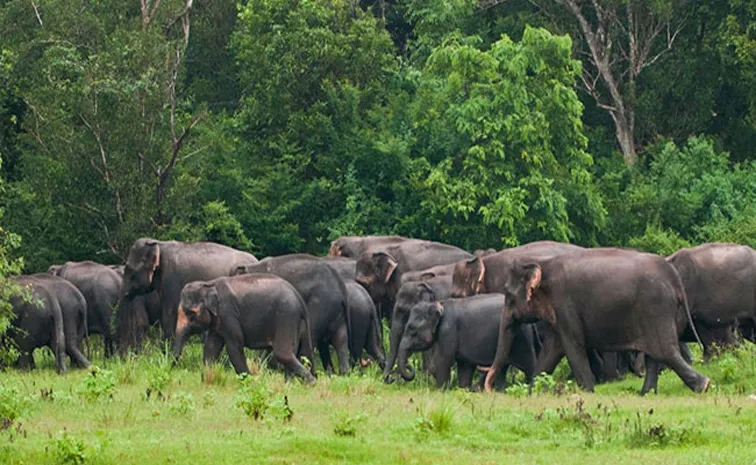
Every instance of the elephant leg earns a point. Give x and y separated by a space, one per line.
325 356
596 360
284 353
213 345
693 379
442 372
652 376
465 372
685 352
340 342
550 356
578 359
235 351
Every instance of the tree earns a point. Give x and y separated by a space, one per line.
105 125
501 129
9 267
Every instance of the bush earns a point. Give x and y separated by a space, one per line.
12 406
182 404
98 384
70 450
253 397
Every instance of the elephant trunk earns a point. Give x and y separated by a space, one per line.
131 323
503 347
178 343
407 372
395 337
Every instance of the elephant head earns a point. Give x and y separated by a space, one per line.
141 266
469 278
54 269
419 334
374 271
198 311
525 290
408 296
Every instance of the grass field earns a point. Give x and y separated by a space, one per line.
143 412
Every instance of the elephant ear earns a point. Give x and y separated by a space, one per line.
151 259
435 313
427 294
211 299
532 278
385 264
477 273
239 270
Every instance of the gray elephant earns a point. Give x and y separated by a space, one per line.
463 332
325 295
412 293
345 267
354 246
101 287
366 327
603 299
166 267
56 316
720 283
380 268
146 305
258 311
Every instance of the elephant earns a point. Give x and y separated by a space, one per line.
463 331
345 267
430 273
325 295
720 283
380 268
166 267
258 311
55 316
410 294
147 305
354 246
101 287
604 299
366 327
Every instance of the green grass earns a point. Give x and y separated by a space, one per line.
80 418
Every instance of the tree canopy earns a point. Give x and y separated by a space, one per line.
276 125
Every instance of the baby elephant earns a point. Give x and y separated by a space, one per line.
258 311
464 331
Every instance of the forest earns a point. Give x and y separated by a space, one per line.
275 126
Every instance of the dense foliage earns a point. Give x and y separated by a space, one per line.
277 125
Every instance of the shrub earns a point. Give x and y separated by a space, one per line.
253 397
70 450
98 384
182 403
12 406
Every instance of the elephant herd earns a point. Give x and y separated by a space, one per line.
608 310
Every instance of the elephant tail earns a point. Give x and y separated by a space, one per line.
60 336
345 310
682 300
309 348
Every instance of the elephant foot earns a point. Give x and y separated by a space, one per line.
704 386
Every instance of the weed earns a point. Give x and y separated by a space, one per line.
98 384
182 404
345 425
215 374
253 397
12 406
158 380
126 372
518 390
657 435
728 363
281 410
208 398
436 420
70 450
